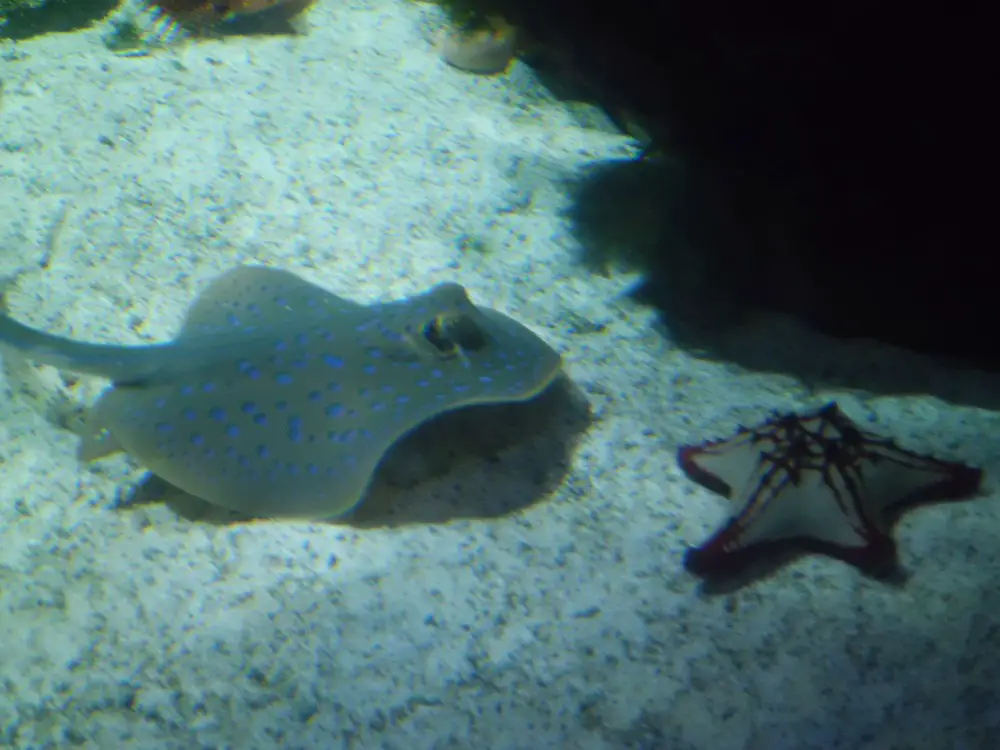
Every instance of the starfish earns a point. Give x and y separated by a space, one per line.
817 482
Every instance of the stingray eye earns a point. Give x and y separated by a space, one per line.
451 333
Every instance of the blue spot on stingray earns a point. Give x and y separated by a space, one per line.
301 339
253 307
416 365
298 362
390 334
187 390
423 383
461 388
207 387
280 346
333 361
437 373
284 378
197 438
315 395
402 399
262 451
164 427
295 429
233 320
386 389
160 403
333 386
486 379
334 410
326 336
253 373
260 418
232 431
375 353
370 369
248 407
243 461
217 413
312 469
189 414
281 405
378 406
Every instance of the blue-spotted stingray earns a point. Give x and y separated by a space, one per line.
278 398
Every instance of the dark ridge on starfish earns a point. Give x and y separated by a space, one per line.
814 483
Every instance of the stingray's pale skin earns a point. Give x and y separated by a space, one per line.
279 398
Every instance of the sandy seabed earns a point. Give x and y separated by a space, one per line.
524 591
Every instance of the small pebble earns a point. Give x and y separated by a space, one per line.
484 51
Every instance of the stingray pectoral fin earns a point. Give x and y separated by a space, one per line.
95 445
96 440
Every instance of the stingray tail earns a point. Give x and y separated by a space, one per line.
117 363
